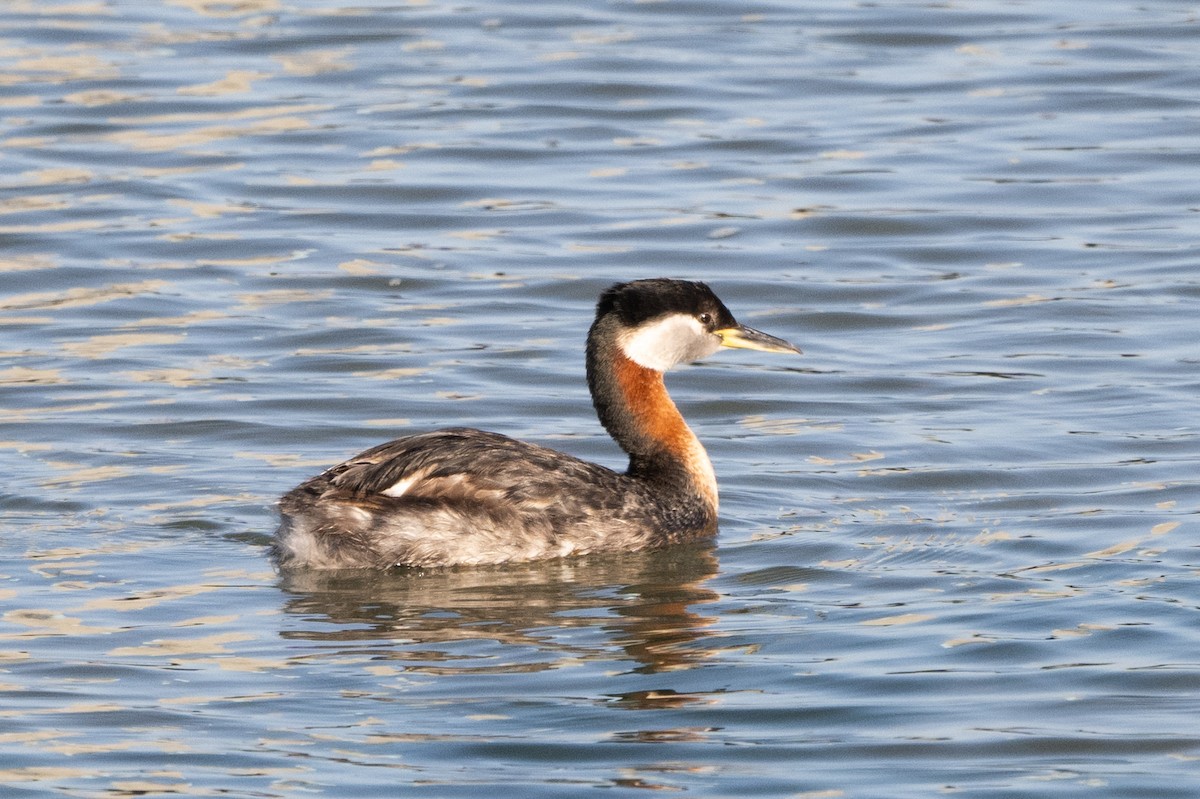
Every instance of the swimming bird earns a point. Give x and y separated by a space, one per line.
459 496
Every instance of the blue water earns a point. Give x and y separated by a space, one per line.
242 241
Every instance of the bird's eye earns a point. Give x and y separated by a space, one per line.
705 319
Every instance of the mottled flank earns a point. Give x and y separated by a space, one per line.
468 497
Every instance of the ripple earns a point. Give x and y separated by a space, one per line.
243 240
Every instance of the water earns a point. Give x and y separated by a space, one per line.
957 554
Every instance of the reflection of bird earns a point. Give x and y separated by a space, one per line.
643 611
461 496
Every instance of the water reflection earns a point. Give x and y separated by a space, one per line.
639 604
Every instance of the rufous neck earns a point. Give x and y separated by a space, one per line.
636 410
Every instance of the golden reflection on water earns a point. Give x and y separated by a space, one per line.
639 612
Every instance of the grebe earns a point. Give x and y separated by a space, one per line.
467 497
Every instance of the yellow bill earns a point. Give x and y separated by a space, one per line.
747 338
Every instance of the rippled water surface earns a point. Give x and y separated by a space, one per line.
240 241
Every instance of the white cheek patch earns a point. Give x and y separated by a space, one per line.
669 341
